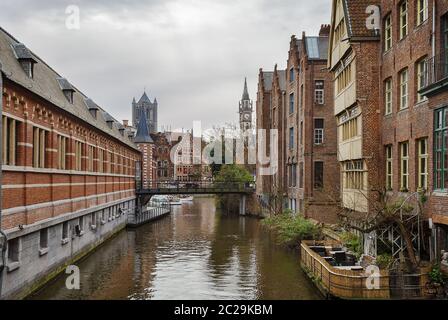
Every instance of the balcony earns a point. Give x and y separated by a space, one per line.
435 78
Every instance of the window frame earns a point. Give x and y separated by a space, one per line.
388 96
403 14
388 32
389 168
404 164
422 11
404 89
439 147
422 155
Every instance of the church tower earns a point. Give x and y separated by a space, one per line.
145 107
246 109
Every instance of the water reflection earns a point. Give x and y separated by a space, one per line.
195 253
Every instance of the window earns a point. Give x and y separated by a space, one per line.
65 228
388 96
62 152
43 238
441 149
339 31
389 168
14 250
301 175
100 160
93 219
404 173
319 92
344 78
318 175
350 129
404 89
354 175
291 103
421 73
388 33
291 74
294 175
318 131
403 19
9 151
422 11
79 146
90 152
291 138
39 141
422 148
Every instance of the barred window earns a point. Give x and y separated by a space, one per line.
62 152
354 175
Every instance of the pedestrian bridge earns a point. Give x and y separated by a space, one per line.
153 188
197 187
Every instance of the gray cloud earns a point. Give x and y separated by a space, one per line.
192 55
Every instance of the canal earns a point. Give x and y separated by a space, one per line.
194 253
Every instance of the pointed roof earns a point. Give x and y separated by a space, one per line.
245 92
144 98
133 100
142 135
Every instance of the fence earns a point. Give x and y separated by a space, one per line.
350 284
148 214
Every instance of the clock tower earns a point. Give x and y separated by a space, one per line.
245 110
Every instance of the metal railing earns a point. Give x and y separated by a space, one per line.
436 69
198 187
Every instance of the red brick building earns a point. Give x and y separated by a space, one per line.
310 130
263 122
68 170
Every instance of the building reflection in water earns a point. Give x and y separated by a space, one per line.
195 253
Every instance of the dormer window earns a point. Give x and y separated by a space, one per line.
109 120
25 58
92 106
66 88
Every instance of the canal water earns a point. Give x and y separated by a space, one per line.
194 253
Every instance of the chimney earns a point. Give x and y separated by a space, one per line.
324 30
126 123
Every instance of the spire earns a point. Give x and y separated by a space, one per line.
142 135
144 98
133 100
245 93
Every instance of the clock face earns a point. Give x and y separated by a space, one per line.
246 116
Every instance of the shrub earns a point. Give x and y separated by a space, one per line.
353 243
384 261
436 275
291 229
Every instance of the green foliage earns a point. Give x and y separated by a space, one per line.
232 173
394 206
384 261
291 229
436 275
353 243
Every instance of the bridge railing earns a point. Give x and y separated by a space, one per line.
238 186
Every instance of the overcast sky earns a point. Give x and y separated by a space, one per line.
192 55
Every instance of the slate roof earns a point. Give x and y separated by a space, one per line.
268 77
144 98
46 85
282 79
142 135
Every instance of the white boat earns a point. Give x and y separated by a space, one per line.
174 201
158 199
187 199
